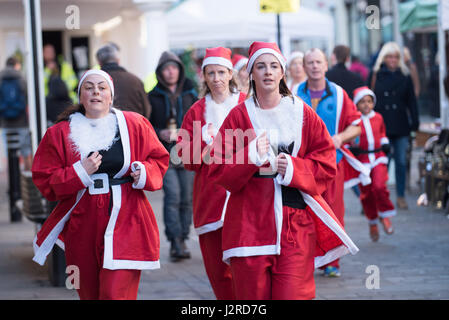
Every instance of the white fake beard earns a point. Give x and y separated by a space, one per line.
216 113
281 122
90 135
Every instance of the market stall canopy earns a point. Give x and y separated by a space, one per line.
445 15
237 23
418 15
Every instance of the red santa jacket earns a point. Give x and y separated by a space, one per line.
373 136
354 171
254 211
131 240
209 199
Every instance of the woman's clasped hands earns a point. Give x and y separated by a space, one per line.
263 147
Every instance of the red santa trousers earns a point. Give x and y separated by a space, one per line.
218 272
375 197
84 248
288 276
334 197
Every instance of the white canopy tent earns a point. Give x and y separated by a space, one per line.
237 23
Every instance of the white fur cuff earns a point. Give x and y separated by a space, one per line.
254 155
206 137
287 179
143 174
82 174
384 140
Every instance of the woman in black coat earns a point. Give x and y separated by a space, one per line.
396 102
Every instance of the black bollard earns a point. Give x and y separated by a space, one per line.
56 259
13 143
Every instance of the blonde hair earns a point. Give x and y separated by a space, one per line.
391 48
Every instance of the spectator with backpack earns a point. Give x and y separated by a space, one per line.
13 107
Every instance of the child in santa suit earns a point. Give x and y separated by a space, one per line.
277 227
96 161
200 125
371 150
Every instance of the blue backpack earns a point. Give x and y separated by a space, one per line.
12 99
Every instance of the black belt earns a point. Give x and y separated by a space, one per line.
362 151
291 197
370 151
258 175
98 183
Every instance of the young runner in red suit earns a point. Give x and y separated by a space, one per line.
96 162
371 150
277 227
202 122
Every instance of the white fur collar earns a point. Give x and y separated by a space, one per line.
215 113
369 115
280 119
89 135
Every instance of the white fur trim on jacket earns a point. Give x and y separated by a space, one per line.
90 135
82 174
287 179
208 139
41 252
384 140
254 155
217 224
143 174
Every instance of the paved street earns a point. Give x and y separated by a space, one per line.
413 263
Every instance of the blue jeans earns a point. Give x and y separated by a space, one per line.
178 186
399 147
356 190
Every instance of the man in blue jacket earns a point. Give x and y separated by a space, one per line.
342 120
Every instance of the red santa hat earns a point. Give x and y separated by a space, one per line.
239 61
359 93
258 48
219 55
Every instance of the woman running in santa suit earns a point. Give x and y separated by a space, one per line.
201 123
277 227
96 161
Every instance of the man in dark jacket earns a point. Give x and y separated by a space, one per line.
339 74
129 91
173 95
